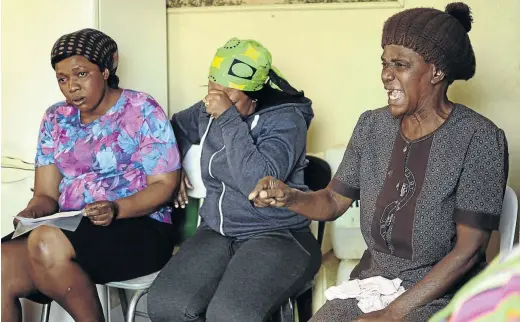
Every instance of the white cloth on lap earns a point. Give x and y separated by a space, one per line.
374 293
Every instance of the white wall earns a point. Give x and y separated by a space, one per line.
29 87
139 28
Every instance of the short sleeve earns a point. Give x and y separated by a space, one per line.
482 183
45 145
346 179
157 146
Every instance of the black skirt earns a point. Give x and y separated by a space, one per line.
126 249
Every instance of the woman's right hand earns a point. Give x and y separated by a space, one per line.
271 192
26 213
181 200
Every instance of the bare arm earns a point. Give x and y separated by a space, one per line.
46 191
159 191
322 205
470 247
160 161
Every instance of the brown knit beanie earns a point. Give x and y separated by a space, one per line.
441 38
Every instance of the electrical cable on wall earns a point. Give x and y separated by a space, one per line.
17 164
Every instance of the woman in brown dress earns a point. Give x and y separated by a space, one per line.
430 173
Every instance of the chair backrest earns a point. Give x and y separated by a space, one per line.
317 176
508 220
191 164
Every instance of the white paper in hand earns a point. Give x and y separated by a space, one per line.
65 220
51 217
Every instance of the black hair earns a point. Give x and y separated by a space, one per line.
113 81
269 96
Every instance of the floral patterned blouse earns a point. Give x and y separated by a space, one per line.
109 158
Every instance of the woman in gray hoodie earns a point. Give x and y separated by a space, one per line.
243 262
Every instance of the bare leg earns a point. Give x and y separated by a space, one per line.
55 274
16 282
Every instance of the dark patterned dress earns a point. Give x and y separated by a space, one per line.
414 193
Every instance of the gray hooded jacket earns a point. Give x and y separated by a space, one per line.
236 153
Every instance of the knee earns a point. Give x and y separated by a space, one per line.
47 246
166 305
155 307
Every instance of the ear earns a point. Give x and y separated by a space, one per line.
106 73
437 75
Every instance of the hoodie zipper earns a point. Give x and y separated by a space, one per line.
221 195
211 175
203 138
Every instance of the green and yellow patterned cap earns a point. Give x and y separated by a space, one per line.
242 64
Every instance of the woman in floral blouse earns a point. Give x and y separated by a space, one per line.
110 152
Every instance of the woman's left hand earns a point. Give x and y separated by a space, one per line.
217 102
101 213
377 316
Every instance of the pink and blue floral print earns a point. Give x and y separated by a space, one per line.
110 158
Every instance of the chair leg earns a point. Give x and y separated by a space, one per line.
285 313
130 316
46 312
123 301
304 305
108 318
292 310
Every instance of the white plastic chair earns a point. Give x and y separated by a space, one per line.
508 220
140 285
